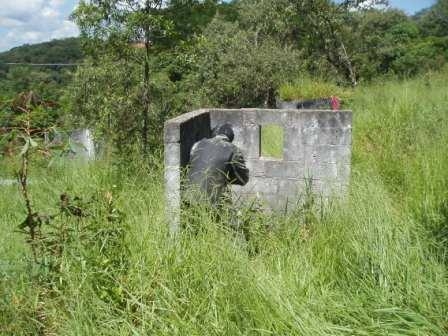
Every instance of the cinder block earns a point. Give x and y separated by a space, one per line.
171 132
293 118
327 172
291 186
239 137
313 155
327 118
344 172
172 197
234 117
256 167
340 119
172 154
250 117
293 148
261 185
172 127
335 136
311 135
335 153
172 181
326 136
284 169
279 117
250 143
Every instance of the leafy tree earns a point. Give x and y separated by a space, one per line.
377 39
390 42
120 25
106 97
434 21
319 27
235 68
150 35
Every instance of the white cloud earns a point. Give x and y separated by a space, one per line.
372 4
9 22
33 21
55 3
20 9
68 28
48 12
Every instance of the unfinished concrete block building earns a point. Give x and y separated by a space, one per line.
315 153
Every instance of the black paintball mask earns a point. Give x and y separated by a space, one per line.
224 129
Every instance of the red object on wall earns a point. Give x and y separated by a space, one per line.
335 103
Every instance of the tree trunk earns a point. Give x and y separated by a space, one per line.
349 66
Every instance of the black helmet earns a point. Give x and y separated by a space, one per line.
224 129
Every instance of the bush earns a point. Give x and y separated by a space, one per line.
234 69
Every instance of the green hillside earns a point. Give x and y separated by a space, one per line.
47 81
56 51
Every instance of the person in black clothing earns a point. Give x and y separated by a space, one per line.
216 163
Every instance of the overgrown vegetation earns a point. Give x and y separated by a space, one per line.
143 64
374 265
47 81
85 247
307 88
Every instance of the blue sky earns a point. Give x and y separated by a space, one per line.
411 6
33 21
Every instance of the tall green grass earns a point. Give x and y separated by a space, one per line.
373 265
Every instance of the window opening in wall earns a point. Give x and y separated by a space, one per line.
271 141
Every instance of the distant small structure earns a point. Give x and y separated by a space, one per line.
78 144
82 144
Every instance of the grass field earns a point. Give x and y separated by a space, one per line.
374 265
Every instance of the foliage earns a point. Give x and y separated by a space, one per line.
56 51
106 98
390 42
307 88
434 20
374 264
51 236
147 62
47 81
234 69
118 26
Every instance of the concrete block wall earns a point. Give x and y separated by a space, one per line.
316 152
180 134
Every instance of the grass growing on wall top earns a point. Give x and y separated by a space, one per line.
375 265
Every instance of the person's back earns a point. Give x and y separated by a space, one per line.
215 163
